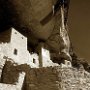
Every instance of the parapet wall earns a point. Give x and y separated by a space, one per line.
18 86
73 79
58 78
49 78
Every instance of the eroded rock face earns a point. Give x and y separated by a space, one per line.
34 19
25 15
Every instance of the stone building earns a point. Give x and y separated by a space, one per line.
14 45
44 56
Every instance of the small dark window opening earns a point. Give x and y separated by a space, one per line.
22 37
68 63
34 60
15 51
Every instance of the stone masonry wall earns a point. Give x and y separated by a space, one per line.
73 79
17 86
49 78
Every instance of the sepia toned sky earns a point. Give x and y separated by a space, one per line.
79 25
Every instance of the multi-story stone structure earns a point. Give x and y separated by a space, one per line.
14 45
36 67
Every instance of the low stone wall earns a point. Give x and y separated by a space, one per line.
58 78
73 79
18 86
50 78
7 87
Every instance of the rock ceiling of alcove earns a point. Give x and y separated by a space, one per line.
31 17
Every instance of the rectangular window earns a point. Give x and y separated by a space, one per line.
34 60
15 51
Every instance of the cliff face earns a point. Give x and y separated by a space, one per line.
50 78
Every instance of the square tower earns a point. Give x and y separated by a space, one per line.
44 56
14 45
